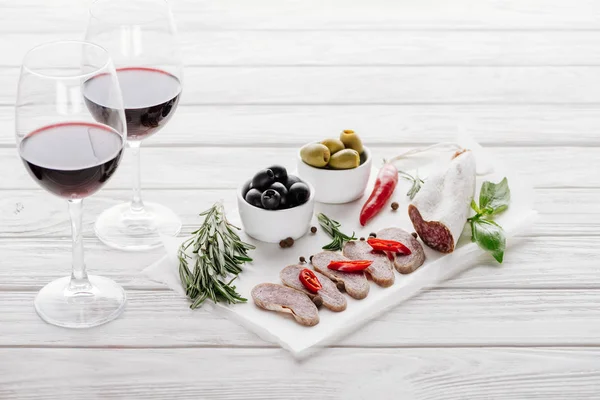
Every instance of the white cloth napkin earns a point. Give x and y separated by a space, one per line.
269 260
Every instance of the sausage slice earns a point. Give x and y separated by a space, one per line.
381 270
286 300
405 264
332 298
355 283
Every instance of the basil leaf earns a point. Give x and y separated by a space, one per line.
490 237
474 207
494 197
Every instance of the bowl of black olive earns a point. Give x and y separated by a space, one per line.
275 205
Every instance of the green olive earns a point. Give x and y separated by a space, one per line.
345 159
334 145
351 140
315 154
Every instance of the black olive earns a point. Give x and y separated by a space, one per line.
270 199
280 188
247 186
280 173
291 179
263 179
254 197
284 202
299 192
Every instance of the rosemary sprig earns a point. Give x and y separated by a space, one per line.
218 253
416 183
331 227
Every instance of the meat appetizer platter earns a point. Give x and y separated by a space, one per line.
323 250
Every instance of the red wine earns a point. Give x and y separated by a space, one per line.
150 97
72 159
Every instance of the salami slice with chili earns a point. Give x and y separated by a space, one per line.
404 263
440 210
380 271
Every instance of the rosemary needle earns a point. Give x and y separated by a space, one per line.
332 228
218 253
416 183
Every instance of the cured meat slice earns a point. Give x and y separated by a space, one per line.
405 264
286 300
355 283
381 270
440 209
332 298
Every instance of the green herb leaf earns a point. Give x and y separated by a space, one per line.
475 207
490 237
332 228
494 197
218 253
416 183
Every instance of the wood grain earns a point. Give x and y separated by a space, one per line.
292 126
355 47
34 213
413 374
376 85
535 262
326 15
440 317
228 167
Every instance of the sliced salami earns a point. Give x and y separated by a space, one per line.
440 209
381 271
332 298
405 264
355 283
286 300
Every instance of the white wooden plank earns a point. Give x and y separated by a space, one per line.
361 48
376 85
244 374
441 317
539 262
330 14
212 167
33 213
285 126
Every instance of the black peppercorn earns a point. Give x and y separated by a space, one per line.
313 229
302 259
373 235
414 234
395 206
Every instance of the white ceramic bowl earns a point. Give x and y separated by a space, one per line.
272 226
337 186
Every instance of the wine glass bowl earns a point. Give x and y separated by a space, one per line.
71 155
141 38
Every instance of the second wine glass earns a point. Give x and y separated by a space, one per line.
141 38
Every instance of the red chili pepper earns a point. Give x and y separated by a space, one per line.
310 280
388 245
382 191
350 266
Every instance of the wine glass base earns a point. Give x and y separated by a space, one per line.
87 307
121 228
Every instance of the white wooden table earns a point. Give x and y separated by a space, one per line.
264 76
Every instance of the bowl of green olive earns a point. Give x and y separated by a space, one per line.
337 168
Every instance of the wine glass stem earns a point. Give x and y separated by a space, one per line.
137 205
79 278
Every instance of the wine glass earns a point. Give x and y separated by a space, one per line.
140 36
71 154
